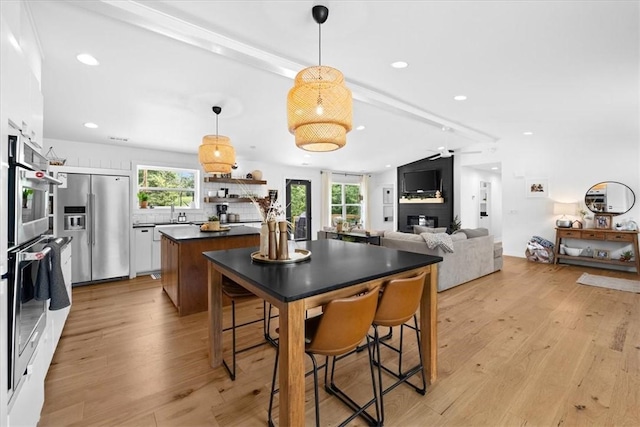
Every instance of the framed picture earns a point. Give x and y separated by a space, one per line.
601 253
602 221
537 187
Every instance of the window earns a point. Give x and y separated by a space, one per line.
170 186
346 202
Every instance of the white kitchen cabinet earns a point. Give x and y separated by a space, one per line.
144 242
27 401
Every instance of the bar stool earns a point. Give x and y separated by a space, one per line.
398 303
343 324
237 293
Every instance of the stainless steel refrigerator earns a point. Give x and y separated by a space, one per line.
94 210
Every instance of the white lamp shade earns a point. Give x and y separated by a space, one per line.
565 208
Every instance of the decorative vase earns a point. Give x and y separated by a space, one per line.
283 247
339 227
214 225
264 239
273 240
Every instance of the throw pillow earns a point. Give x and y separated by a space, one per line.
419 229
441 240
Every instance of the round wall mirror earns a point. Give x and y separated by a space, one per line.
610 197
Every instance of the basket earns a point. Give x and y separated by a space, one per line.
53 158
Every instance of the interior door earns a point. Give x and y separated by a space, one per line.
298 193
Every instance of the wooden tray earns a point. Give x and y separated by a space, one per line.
298 255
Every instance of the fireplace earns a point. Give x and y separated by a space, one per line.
424 220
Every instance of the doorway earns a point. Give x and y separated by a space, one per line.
298 194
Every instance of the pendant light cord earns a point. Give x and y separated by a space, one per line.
319 45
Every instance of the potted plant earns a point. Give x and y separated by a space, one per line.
626 256
143 198
214 222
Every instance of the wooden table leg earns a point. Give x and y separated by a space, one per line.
215 317
292 364
429 325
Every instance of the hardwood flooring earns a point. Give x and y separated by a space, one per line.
523 346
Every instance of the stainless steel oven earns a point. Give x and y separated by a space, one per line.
28 192
27 315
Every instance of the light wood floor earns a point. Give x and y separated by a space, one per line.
524 346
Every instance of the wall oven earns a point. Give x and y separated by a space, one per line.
28 191
27 315
28 222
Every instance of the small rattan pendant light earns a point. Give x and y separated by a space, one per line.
319 106
216 154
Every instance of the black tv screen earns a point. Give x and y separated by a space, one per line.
421 181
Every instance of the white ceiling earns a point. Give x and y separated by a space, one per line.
567 71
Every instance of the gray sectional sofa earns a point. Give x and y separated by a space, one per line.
475 254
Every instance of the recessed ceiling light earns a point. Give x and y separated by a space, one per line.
387 166
527 133
308 156
87 59
460 98
91 125
305 164
440 148
253 147
399 64
495 168
361 127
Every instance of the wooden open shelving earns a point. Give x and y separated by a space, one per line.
422 200
233 180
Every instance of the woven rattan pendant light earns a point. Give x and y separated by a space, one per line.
216 154
319 106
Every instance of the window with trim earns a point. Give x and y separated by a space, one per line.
165 186
346 202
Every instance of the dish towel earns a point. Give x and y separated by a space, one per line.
50 281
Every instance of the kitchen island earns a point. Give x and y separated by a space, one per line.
184 269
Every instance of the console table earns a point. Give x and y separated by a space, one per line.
350 237
624 237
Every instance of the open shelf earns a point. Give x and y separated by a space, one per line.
233 180
600 260
422 200
227 200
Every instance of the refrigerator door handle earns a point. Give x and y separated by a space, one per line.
93 219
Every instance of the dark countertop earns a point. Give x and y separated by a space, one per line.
192 232
334 264
154 224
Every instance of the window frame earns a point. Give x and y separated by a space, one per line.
196 180
343 204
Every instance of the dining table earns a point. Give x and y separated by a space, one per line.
328 270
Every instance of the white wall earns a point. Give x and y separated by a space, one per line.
377 182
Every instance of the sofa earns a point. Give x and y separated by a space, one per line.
475 254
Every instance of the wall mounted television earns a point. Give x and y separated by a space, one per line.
420 181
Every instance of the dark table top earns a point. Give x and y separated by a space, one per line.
192 232
333 265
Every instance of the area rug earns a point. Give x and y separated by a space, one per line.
610 282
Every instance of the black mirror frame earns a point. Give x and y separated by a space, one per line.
586 202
